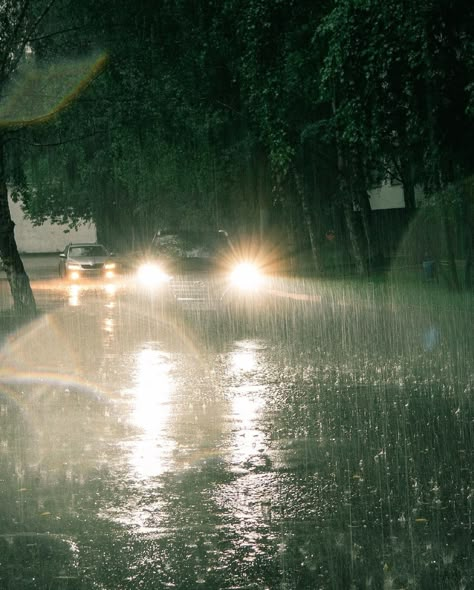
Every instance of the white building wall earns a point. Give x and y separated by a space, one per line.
390 196
48 237
387 196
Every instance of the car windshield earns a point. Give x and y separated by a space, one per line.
93 250
190 244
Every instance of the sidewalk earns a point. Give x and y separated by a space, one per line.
38 266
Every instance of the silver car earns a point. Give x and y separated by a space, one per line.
80 261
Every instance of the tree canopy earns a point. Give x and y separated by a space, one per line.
274 118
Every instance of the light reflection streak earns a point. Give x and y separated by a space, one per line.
245 358
249 441
151 394
109 322
243 361
248 499
74 292
111 290
247 403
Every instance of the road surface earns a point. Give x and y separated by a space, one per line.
324 443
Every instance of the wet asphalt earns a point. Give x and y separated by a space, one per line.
319 438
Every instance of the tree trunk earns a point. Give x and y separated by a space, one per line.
467 217
312 238
23 299
263 195
374 254
408 186
468 267
449 245
354 237
308 224
346 196
437 163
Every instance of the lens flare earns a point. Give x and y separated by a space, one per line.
246 276
150 275
53 86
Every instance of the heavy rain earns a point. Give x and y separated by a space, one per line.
318 443
236 295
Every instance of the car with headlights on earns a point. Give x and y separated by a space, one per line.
200 270
84 261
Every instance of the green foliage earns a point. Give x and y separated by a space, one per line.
209 111
398 74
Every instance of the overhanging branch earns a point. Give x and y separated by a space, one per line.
54 34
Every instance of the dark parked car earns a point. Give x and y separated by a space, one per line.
81 261
199 269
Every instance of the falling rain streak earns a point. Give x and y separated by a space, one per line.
323 443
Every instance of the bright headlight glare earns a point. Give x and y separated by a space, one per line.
246 276
109 265
73 266
152 274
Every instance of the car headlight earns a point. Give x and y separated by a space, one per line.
73 266
109 265
246 276
152 274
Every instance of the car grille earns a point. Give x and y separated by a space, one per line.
193 293
96 266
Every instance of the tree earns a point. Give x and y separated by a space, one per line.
153 151
194 124
398 74
20 76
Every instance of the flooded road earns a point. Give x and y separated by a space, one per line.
325 442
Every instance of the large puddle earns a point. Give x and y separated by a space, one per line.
320 446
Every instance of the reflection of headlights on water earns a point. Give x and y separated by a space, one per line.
109 268
246 276
151 274
111 289
73 269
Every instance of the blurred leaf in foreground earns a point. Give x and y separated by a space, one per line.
38 92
